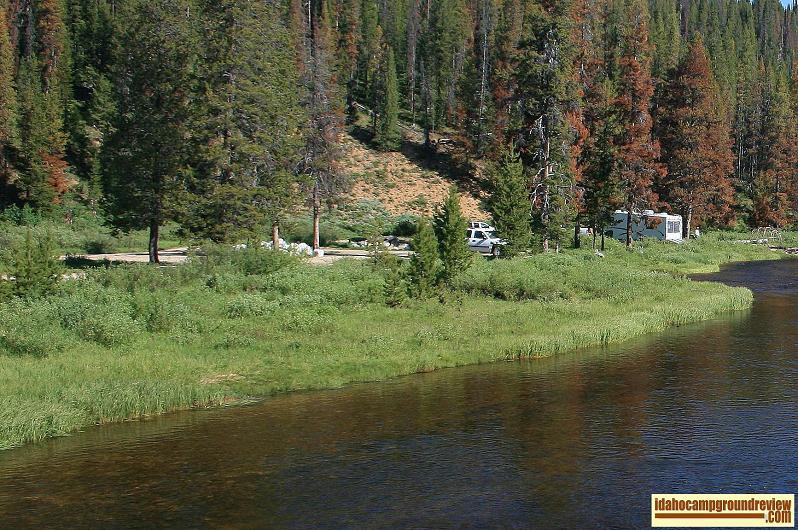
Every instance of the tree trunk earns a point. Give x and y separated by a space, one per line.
688 222
594 237
602 240
153 244
546 175
577 239
629 227
316 216
276 235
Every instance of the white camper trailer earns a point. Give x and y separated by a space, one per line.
661 226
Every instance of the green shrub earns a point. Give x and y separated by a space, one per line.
343 283
306 318
160 312
251 305
135 277
225 282
35 267
247 261
24 216
29 328
97 314
395 289
405 226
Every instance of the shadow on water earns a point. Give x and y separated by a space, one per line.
578 440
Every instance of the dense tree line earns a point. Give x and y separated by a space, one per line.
223 114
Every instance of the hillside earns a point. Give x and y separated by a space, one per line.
412 181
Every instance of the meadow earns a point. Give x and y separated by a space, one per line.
131 341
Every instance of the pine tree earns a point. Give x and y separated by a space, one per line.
250 124
545 94
445 47
388 136
91 111
54 60
509 205
322 181
696 143
8 102
776 156
369 49
638 152
425 266
450 230
35 267
34 137
149 153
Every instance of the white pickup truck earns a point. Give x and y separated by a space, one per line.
484 241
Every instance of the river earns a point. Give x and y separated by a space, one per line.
576 441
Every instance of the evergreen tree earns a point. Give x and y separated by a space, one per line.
149 153
35 267
545 94
54 61
388 136
369 49
696 143
598 160
34 137
509 205
776 156
90 114
450 230
445 45
425 266
250 122
322 181
638 152
8 103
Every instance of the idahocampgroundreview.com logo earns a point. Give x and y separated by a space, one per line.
693 510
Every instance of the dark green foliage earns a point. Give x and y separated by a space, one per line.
510 205
395 290
425 267
35 267
91 113
206 112
149 153
33 184
388 137
249 121
8 101
450 230
546 95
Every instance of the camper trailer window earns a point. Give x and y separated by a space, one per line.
674 227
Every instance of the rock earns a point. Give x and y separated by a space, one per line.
319 253
301 249
268 244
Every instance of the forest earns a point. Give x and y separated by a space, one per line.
223 115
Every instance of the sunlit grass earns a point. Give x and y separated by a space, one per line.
203 335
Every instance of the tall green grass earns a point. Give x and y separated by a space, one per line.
132 341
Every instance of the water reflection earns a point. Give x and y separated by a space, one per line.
580 440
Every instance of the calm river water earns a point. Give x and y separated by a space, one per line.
577 441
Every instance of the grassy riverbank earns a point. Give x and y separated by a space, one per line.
133 341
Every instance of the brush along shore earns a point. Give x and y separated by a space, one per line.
132 340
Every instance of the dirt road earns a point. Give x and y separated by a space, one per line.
174 256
